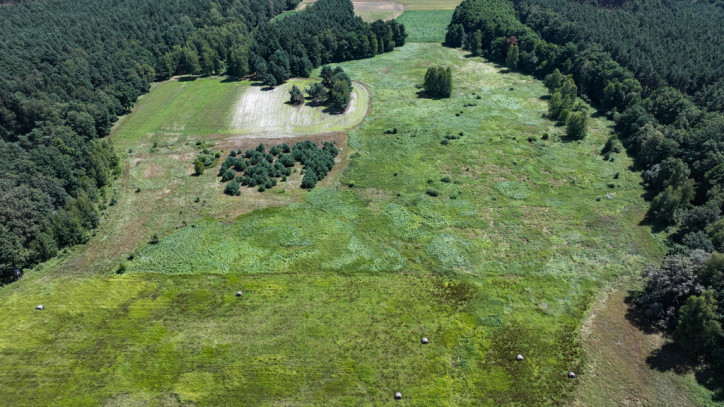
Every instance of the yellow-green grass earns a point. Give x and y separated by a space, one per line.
426 25
340 283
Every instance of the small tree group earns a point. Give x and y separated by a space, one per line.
335 88
562 105
438 82
259 168
296 96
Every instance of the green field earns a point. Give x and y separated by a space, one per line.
426 25
341 282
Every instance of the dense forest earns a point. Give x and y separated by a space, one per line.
664 43
678 146
70 68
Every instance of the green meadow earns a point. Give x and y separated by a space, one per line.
426 25
472 224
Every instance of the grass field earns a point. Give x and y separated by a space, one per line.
367 13
341 282
426 25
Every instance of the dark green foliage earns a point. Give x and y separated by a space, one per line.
255 169
476 43
317 92
232 188
121 268
668 286
339 95
678 61
432 192
699 331
154 239
577 125
198 167
511 61
69 68
296 97
327 31
228 175
438 82
270 80
455 35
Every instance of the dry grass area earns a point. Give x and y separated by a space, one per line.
378 10
265 112
618 358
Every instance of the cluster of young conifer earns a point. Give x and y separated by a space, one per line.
259 168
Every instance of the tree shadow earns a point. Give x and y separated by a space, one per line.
505 71
423 95
187 78
669 357
230 79
264 87
636 318
713 379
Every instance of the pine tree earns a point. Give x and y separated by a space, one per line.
454 36
576 125
476 44
199 167
511 61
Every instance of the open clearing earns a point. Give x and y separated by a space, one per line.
407 5
340 282
378 10
426 25
267 113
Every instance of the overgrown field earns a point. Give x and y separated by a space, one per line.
472 225
426 25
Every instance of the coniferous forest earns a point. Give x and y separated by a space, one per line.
70 68
664 91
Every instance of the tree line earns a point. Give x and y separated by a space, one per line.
678 146
664 43
70 68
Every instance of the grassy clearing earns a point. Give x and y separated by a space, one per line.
408 4
378 10
426 25
263 112
342 281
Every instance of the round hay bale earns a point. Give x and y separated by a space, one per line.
239 293
398 396
40 307
424 341
571 375
519 357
